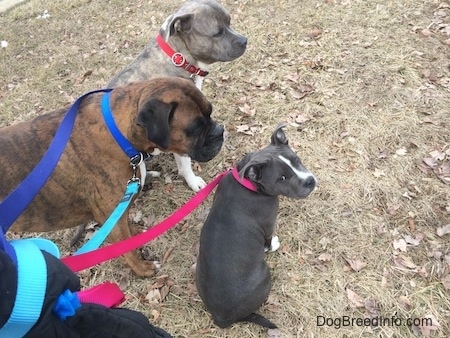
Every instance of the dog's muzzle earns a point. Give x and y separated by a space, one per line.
206 149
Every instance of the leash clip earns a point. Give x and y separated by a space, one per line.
135 162
134 178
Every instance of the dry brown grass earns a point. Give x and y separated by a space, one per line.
366 91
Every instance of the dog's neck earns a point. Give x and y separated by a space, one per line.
180 57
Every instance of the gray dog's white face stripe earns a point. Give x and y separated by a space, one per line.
302 175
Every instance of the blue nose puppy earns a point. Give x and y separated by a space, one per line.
232 276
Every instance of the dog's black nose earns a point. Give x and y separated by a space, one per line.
310 182
217 131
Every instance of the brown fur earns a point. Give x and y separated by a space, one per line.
92 173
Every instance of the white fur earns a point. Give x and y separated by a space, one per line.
274 244
303 175
155 152
185 169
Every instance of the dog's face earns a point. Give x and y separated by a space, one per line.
176 117
277 170
204 26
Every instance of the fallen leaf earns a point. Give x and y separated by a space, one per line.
414 241
373 307
246 109
427 325
378 173
300 118
430 161
155 313
153 296
399 244
164 291
446 282
149 220
160 281
315 33
404 262
405 303
272 304
273 333
381 229
443 230
319 265
422 272
437 154
356 264
245 129
325 257
425 33
124 279
354 298
167 254
324 241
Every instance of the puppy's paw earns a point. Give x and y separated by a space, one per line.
274 244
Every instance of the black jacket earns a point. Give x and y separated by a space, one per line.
89 321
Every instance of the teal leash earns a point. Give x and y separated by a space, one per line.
100 235
133 185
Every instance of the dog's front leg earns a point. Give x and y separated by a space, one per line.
139 266
185 169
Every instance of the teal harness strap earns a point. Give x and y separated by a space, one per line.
31 287
100 235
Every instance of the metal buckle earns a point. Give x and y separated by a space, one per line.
178 59
136 160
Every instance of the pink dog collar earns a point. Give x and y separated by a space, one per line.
243 181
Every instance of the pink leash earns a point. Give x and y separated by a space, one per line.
91 258
107 294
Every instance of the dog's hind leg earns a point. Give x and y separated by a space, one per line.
185 169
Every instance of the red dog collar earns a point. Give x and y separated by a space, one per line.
178 59
243 181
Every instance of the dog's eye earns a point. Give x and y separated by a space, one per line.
283 178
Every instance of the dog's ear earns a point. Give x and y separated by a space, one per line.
155 117
253 173
279 137
181 24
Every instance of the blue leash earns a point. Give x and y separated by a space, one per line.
16 202
133 184
26 254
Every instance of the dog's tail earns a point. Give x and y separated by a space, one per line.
260 320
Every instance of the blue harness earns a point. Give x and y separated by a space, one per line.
26 254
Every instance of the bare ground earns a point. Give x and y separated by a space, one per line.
365 87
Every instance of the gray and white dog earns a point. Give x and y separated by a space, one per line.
189 41
232 276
